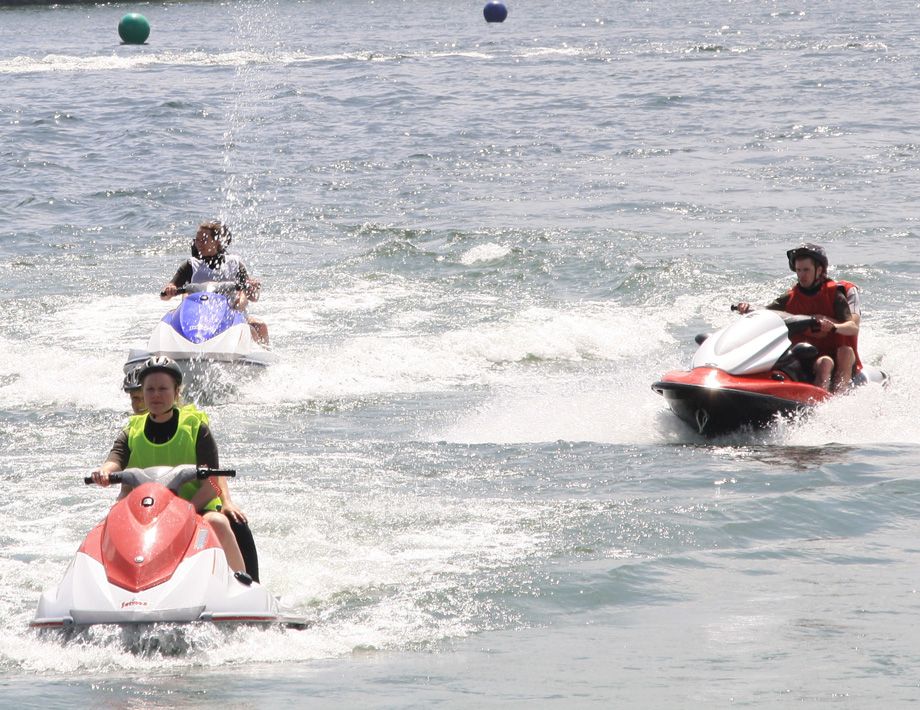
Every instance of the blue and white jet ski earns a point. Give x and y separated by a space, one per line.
204 328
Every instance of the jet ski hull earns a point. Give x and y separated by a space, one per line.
714 402
201 589
749 373
231 347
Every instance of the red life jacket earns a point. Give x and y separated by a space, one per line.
821 304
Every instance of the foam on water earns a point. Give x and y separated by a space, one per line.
484 253
43 376
559 411
391 565
488 354
90 337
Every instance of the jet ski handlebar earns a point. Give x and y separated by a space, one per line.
796 323
200 473
224 288
799 324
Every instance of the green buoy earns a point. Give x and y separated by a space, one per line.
133 28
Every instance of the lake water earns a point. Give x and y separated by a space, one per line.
479 244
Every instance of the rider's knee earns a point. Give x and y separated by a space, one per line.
218 521
846 354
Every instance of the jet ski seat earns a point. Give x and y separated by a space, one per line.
798 362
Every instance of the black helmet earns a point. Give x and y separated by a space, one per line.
810 250
132 382
159 363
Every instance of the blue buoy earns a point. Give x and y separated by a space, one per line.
495 11
133 28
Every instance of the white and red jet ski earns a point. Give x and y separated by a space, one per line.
748 374
154 559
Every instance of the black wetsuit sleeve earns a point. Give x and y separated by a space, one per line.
242 277
780 303
120 452
842 307
183 275
206 448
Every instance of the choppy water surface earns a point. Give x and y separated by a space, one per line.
479 245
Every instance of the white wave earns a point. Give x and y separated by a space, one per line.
608 412
132 59
139 60
74 354
489 354
54 375
484 253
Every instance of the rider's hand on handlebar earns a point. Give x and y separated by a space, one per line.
742 308
169 291
253 287
826 325
101 477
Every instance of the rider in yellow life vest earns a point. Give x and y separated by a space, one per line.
168 436
238 520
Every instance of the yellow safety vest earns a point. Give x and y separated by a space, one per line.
177 451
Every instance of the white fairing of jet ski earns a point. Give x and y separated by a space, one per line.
202 589
204 328
748 346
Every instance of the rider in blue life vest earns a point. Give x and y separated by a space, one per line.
168 436
237 518
211 262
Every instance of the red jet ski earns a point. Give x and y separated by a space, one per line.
154 559
748 374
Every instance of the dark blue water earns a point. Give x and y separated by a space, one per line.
479 244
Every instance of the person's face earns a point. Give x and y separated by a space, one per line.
137 401
807 271
206 242
160 392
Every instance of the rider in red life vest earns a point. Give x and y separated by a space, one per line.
829 301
